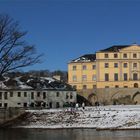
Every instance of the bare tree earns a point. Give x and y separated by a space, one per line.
14 50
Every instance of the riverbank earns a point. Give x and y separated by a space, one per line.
101 118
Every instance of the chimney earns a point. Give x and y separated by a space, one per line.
57 77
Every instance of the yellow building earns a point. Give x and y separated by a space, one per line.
114 67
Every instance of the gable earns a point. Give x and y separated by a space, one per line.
131 48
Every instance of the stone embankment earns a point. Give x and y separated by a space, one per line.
100 118
10 115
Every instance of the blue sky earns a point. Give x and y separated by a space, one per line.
66 29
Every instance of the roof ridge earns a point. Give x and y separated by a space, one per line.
85 58
114 48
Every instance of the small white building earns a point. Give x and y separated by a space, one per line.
51 94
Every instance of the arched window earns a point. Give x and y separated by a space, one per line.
136 85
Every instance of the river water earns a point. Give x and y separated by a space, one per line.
67 134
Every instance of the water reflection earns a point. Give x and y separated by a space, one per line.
67 134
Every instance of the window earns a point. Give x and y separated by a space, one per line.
74 78
5 95
106 65
57 105
84 78
94 86
44 95
84 67
84 86
0 95
25 94
106 86
115 65
115 55
32 104
67 96
74 68
32 95
93 67
94 78
116 86
115 76
106 77
106 55
25 104
135 76
57 94
38 94
125 76
11 94
5 105
125 55
0 104
125 65
50 104
71 96
19 94
134 65
134 55
18 103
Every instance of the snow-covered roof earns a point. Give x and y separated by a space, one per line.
85 58
29 82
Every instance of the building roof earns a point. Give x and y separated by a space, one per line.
114 48
34 83
92 57
85 58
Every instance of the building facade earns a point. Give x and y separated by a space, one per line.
114 67
32 92
36 98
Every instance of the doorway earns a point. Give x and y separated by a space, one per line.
136 85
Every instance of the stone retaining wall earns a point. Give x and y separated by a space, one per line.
9 114
112 95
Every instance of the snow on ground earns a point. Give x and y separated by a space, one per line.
102 117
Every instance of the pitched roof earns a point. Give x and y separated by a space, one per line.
114 48
85 58
34 83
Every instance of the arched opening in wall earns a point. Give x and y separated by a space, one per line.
92 98
136 85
